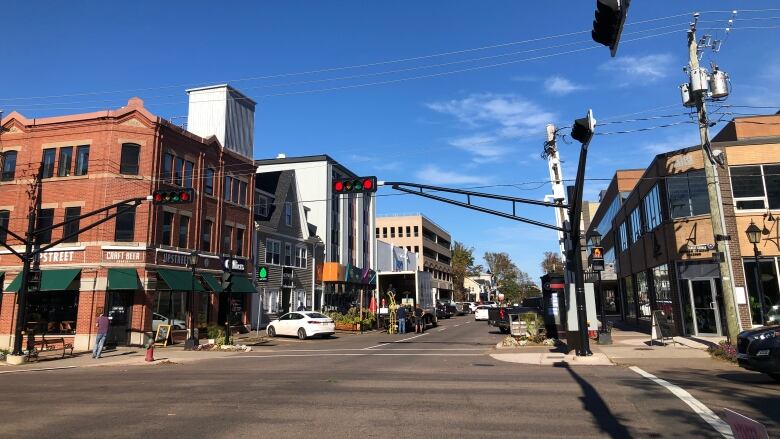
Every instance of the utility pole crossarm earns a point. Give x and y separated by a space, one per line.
468 205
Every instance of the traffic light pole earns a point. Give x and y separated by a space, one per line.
21 312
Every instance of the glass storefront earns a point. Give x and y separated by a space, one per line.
663 291
52 312
642 295
771 288
628 288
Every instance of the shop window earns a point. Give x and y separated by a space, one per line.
184 226
128 164
48 162
82 160
663 291
273 251
167 228
167 168
169 305
287 254
46 219
769 281
636 225
756 187
288 213
206 236
189 169
687 193
5 216
652 205
208 182
125 224
66 157
52 312
71 213
9 165
628 287
642 295
239 242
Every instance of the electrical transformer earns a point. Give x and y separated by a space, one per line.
699 83
719 84
685 93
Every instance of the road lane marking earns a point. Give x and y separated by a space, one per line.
410 338
38 370
356 354
457 325
442 329
375 346
702 410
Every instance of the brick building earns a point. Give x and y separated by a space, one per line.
134 266
660 232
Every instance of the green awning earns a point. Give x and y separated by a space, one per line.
179 280
212 282
123 279
51 280
240 284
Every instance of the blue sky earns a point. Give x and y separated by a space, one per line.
451 93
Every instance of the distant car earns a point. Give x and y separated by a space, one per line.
490 303
159 319
481 312
758 349
463 308
449 307
303 324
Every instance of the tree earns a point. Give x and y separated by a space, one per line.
504 271
462 267
552 263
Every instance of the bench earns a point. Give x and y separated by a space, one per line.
49 345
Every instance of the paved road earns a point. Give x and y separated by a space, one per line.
440 384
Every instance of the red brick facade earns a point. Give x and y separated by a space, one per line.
105 182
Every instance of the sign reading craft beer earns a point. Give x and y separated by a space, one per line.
121 256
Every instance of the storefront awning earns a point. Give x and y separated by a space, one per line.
178 280
240 284
212 282
51 280
123 279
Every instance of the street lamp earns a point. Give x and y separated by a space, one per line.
595 240
191 340
754 236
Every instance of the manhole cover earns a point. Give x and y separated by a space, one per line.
483 365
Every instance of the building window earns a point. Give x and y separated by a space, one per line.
652 205
242 193
687 194
377 232
628 288
184 225
287 254
273 251
416 232
48 162
408 232
756 187
167 168
208 183
636 225
125 224
5 216
128 164
46 219
82 160
623 236
205 240
66 157
178 169
227 240
9 166
642 296
53 313
228 187
189 169
416 249
261 206
606 221
167 228
392 232
300 256
384 232
71 213
239 242
288 213
236 186
663 291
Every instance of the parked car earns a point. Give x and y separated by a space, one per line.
471 306
481 313
463 308
159 319
758 349
499 317
449 308
302 324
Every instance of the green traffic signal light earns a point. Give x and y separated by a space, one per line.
262 273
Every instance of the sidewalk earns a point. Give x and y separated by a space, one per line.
628 346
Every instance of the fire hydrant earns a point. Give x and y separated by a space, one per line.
149 349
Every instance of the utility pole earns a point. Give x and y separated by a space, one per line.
713 191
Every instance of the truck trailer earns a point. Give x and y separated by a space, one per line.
412 288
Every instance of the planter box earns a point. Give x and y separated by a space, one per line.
348 326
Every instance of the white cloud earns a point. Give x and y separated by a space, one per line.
482 146
648 68
672 143
559 85
506 110
434 175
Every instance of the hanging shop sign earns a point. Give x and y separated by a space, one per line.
234 265
696 249
288 278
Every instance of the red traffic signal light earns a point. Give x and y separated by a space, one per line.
358 185
174 196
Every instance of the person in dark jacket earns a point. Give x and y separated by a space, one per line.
401 316
418 320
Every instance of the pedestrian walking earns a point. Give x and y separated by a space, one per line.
418 320
401 316
301 307
102 331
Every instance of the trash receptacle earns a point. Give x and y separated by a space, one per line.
516 325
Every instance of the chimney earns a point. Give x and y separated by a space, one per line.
223 112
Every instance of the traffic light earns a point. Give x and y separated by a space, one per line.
262 273
597 258
173 196
357 185
608 25
226 281
582 130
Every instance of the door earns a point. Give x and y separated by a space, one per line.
120 307
706 315
286 299
283 327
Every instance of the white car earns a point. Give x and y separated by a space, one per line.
302 324
159 319
482 312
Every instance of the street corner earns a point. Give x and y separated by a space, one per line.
553 359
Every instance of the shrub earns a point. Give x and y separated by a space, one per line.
215 332
725 351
